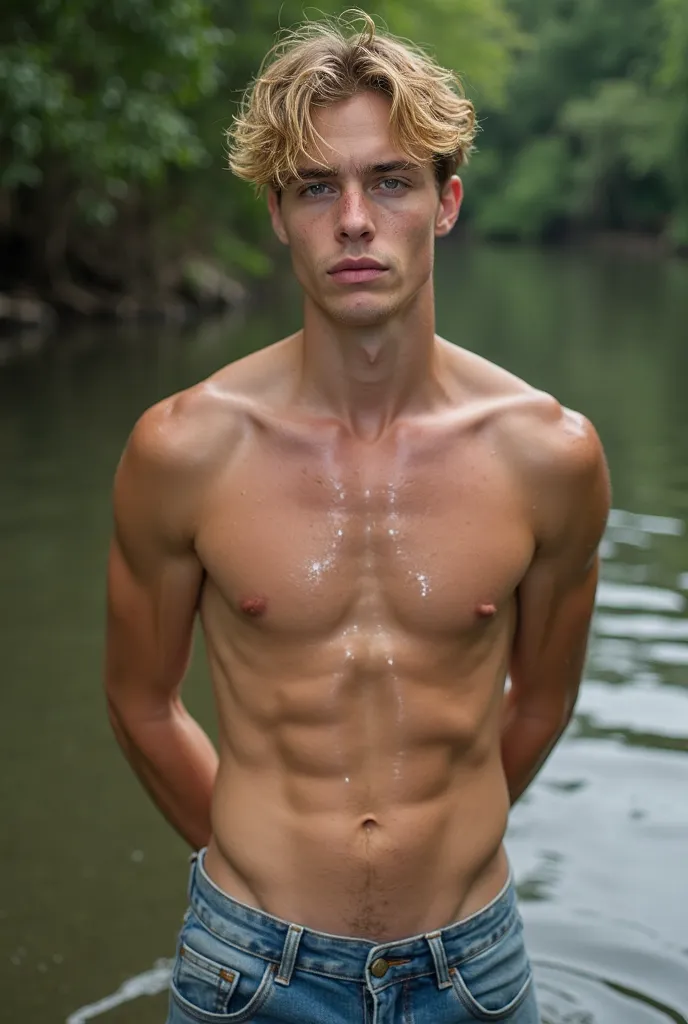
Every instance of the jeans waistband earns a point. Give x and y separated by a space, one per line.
295 946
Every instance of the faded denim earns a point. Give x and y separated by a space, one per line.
235 963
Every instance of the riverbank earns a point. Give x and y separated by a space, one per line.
203 291
199 289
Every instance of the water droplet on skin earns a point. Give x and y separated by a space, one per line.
347 779
317 569
424 584
390 661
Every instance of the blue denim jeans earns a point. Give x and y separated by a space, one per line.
235 963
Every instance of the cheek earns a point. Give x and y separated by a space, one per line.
416 228
417 236
306 240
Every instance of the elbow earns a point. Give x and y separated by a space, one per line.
120 717
128 713
547 716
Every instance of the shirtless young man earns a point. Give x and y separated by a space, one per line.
374 526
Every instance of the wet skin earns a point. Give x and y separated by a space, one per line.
374 526
358 675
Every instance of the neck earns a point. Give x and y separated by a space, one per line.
369 376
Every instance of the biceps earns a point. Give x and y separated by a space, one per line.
150 620
550 643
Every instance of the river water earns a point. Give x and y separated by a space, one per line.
93 880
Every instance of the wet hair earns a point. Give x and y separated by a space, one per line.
320 63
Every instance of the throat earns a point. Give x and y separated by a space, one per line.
371 349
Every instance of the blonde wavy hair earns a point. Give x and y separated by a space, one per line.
320 63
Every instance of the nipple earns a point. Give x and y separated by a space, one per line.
253 606
486 611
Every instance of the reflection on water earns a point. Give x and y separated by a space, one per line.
598 844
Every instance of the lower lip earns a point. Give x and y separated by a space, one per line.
357 276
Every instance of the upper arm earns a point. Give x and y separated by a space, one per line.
571 497
154 576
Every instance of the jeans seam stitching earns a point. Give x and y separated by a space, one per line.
252 1007
484 949
239 949
474 1007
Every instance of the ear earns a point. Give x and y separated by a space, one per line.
451 197
275 210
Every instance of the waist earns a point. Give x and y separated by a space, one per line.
343 873
265 935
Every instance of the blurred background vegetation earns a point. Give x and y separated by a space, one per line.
113 182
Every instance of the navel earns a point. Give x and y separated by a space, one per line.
253 606
486 611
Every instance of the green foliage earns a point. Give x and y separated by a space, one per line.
114 114
533 192
595 129
97 92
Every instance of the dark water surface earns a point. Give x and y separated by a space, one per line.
93 879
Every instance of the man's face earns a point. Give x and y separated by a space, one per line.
362 230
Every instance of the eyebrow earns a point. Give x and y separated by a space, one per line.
320 173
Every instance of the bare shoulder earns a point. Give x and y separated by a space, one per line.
180 446
190 430
531 425
547 438
554 452
181 432
561 466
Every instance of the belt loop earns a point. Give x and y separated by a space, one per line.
192 871
440 957
289 951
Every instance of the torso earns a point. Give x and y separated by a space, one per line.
359 606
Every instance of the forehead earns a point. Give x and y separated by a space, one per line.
355 133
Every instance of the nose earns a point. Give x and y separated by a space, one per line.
354 221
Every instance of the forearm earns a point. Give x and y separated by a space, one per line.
175 761
527 741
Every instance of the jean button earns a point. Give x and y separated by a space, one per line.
379 967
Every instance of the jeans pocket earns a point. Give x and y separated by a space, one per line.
215 982
493 983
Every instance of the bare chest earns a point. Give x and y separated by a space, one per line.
309 545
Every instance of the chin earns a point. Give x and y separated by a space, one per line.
361 314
